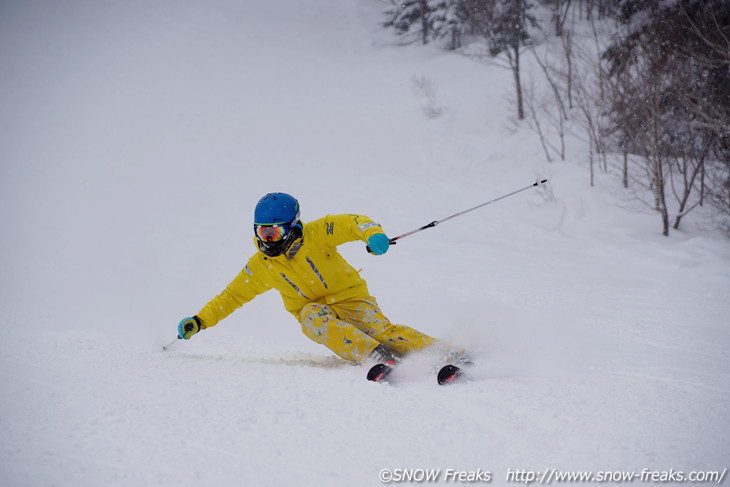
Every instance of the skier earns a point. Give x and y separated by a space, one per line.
323 292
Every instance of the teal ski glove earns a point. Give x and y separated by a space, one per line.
189 327
378 244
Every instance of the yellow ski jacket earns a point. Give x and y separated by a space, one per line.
312 270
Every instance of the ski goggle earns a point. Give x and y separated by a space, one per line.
271 233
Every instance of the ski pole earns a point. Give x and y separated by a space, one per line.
167 347
539 182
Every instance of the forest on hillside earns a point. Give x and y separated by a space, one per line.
645 83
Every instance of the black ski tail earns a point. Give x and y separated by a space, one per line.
450 374
380 372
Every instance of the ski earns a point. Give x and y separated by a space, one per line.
448 374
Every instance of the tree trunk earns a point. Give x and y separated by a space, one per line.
660 197
568 50
518 82
557 19
425 27
702 186
590 160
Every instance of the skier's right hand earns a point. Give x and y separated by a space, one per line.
189 327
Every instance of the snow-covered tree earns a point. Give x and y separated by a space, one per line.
450 21
415 16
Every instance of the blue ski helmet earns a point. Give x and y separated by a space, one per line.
276 208
276 223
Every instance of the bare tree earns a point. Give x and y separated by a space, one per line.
671 100
504 25
686 169
556 113
424 88
537 109
590 101
559 13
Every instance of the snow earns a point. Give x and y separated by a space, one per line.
135 140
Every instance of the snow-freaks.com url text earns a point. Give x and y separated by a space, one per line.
548 476
552 475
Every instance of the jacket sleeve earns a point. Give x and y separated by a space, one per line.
242 289
339 229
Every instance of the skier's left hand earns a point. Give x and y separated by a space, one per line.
378 244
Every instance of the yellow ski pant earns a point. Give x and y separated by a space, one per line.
354 327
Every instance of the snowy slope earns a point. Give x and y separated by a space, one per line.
135 139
